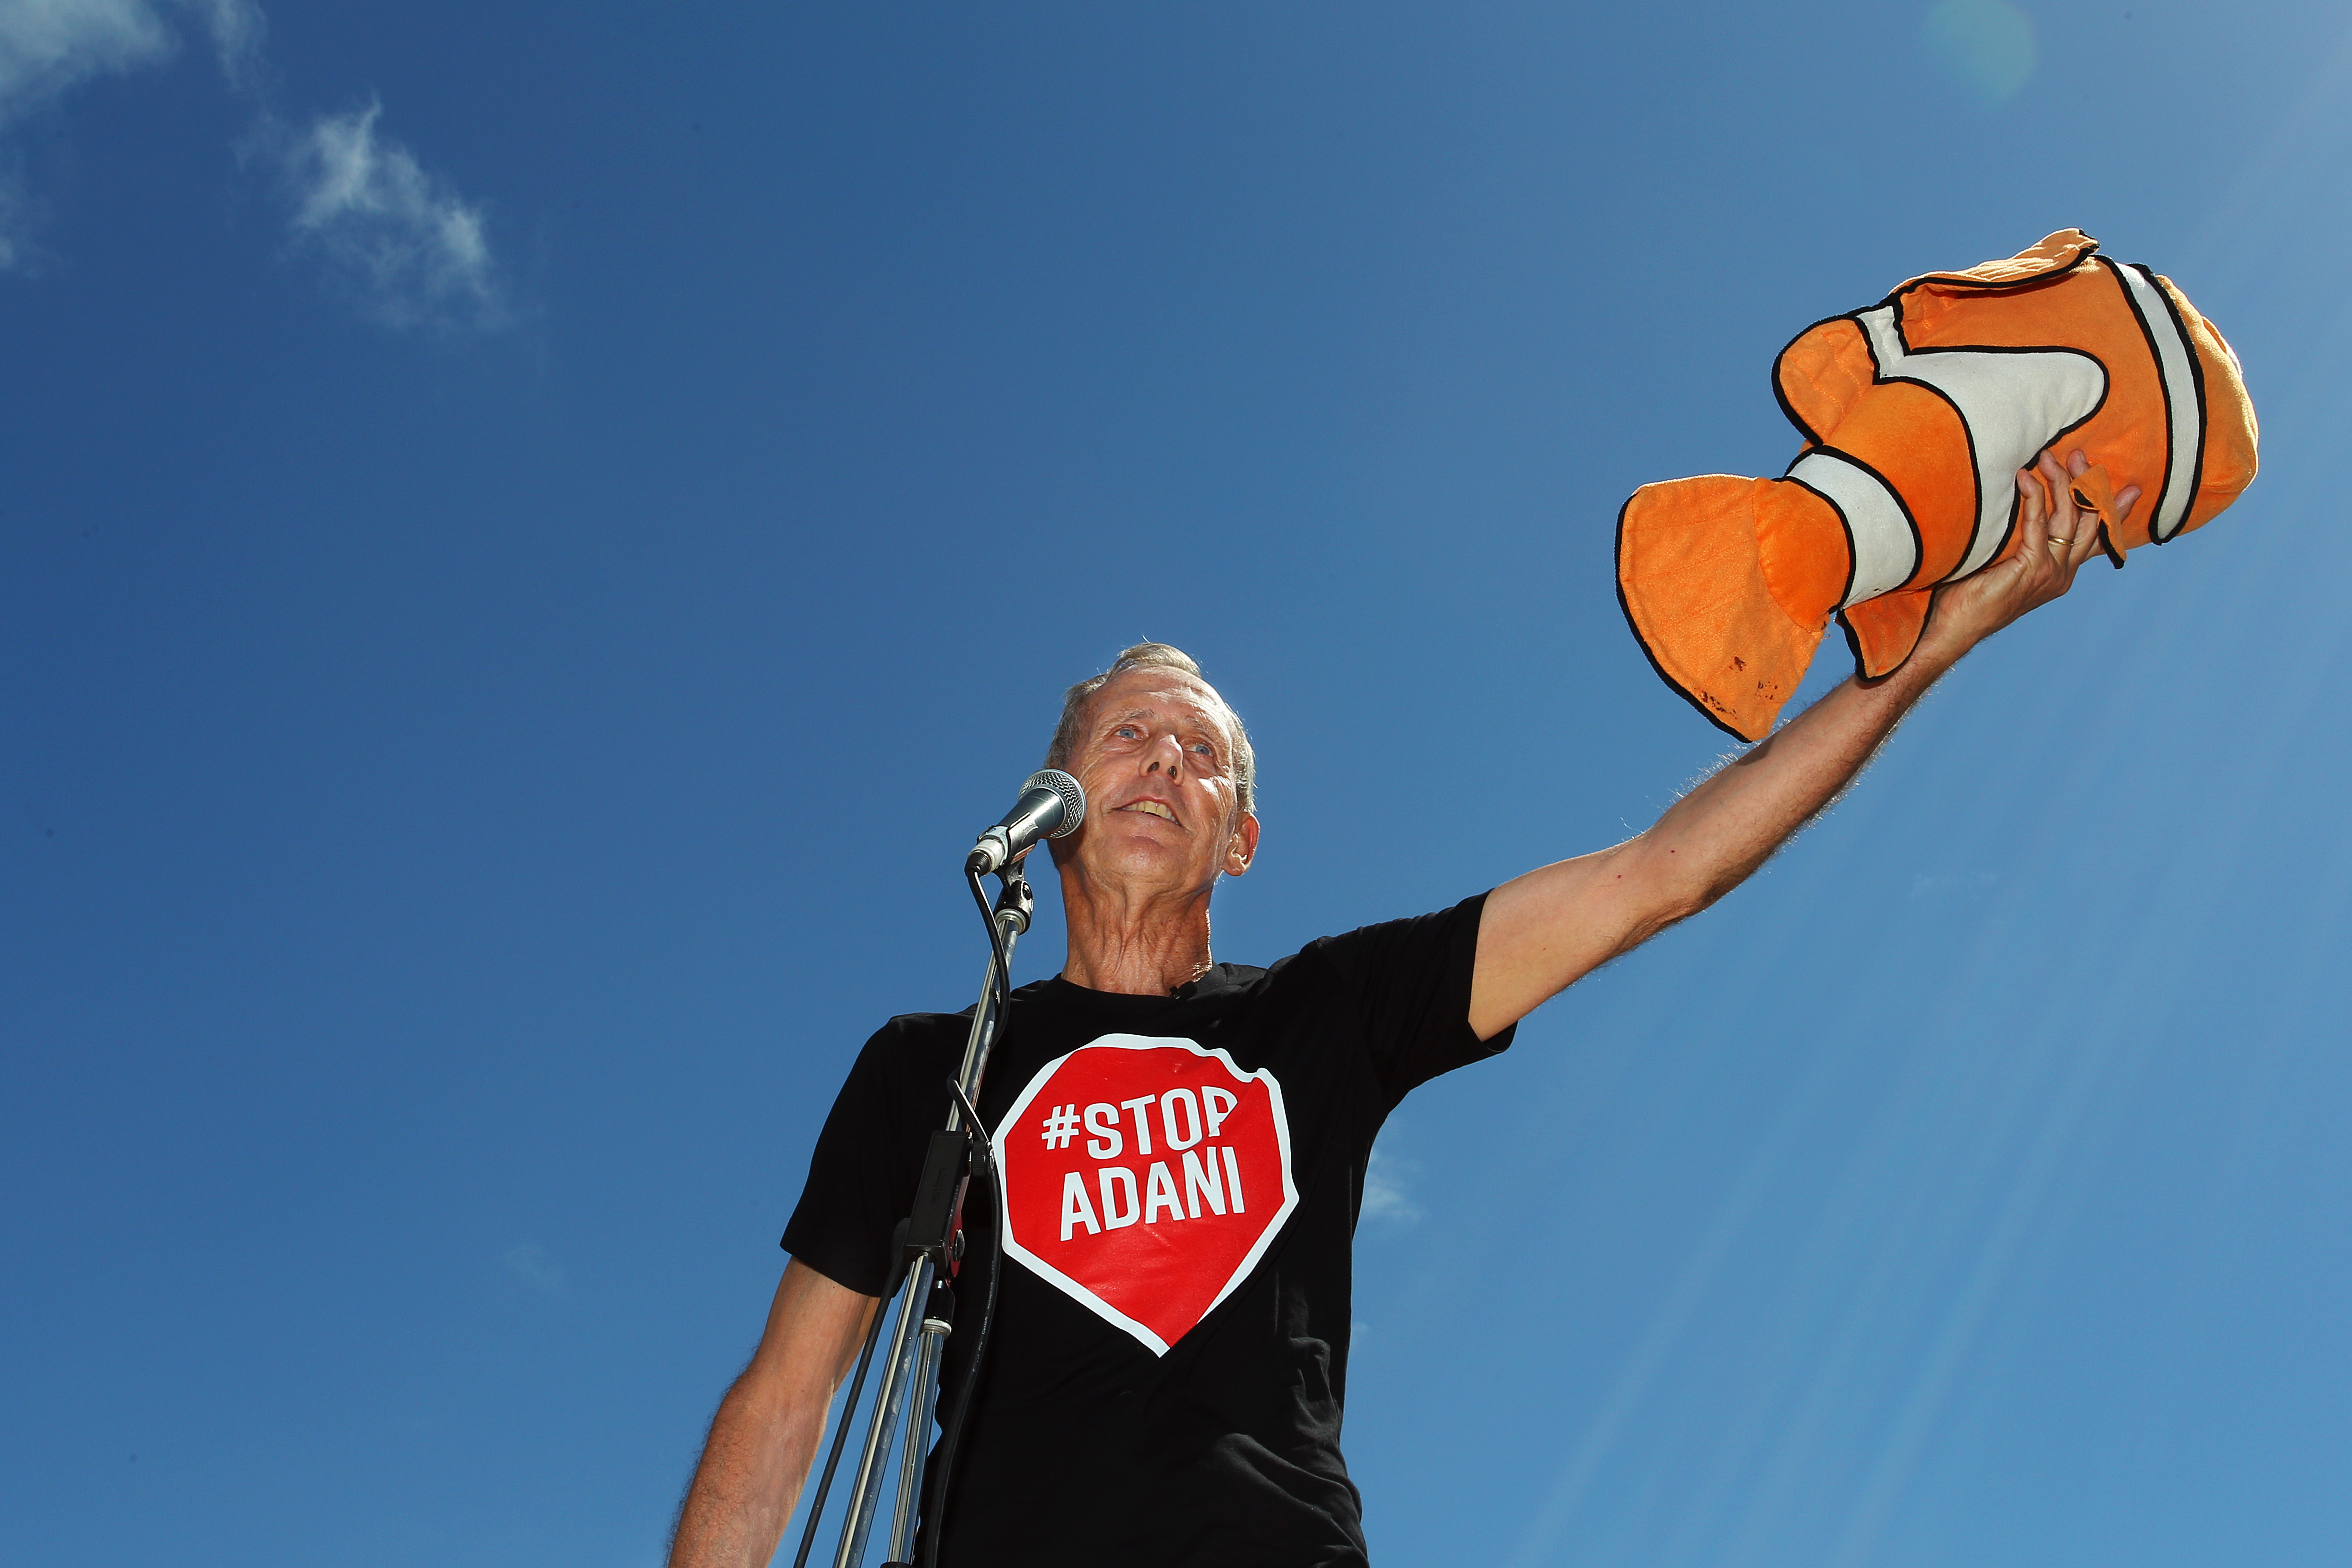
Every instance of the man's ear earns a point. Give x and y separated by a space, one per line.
1242 848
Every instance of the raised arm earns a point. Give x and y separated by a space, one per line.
765 1434
1543 931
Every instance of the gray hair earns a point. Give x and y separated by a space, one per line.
1151 656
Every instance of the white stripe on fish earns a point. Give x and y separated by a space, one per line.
2013 402
2176 365
1878 531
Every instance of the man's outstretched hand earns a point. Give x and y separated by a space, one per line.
2054 538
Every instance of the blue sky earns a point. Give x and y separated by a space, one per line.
531 538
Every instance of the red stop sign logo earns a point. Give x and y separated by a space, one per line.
1144 1178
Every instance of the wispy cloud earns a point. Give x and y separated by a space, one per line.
1386 1182
48 46
14 221
414 251
530 1263
238 28
401 242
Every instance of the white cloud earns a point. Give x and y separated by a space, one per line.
47 48
415 252
530 1262
1385 1197
407 247
13 217
236 27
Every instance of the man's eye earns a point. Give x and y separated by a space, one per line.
1125 732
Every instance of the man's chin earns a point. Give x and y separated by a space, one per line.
1142 854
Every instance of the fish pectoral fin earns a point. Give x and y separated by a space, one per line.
1883 631
2096 493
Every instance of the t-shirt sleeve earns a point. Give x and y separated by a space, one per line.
861 1180
1411 981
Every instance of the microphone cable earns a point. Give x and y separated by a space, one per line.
952 1429
995 947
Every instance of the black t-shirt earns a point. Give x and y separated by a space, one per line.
1163 1380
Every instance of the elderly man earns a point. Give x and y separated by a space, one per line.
1165 1377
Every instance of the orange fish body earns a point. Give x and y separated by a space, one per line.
1916 414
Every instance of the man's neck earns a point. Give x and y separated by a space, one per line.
1136 947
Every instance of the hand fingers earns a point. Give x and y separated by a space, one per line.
2033 509
2064 522
2086 541
2073 533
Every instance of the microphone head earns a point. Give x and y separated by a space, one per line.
1074 799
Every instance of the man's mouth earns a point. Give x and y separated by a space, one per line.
1151 808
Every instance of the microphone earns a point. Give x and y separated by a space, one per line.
1051 807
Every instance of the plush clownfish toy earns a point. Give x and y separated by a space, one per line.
1916 414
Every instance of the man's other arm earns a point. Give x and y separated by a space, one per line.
765 1434
1543 931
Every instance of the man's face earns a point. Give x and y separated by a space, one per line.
1163 806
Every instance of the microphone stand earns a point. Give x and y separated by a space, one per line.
933 1245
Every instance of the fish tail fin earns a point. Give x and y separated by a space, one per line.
1698 561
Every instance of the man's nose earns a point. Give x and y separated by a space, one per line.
1163 756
